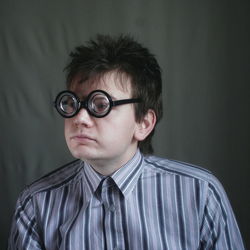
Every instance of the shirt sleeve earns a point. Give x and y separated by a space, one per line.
219 229
24 232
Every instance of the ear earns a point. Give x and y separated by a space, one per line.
144 128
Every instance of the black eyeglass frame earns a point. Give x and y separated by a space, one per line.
86 105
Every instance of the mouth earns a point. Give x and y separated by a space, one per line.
82 139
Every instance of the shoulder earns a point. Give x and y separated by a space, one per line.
60 177
184 175
179 169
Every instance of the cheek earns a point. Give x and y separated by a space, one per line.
119 132
67 128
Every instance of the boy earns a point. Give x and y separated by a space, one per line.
116 196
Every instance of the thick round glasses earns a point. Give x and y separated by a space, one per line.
98 103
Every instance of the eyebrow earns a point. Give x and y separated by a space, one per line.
83 97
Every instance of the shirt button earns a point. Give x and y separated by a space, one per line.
112 208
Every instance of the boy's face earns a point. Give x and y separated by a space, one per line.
108 140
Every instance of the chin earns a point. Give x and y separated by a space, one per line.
82 155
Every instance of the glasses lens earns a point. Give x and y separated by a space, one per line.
99 104
67 104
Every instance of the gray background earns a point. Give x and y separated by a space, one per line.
203 48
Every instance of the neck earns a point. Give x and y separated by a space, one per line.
107 167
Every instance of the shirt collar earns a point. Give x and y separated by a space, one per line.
91 181
125 178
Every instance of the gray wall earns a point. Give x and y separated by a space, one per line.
203 48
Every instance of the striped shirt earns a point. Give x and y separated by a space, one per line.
149 203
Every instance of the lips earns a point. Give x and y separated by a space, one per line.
81 138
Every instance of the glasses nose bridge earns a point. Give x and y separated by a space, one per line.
83 115
83 104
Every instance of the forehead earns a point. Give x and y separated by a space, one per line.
114 82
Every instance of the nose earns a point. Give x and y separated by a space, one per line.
83 118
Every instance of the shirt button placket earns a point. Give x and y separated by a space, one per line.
109 208
112 208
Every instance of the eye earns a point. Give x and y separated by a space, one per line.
68 104
100 104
